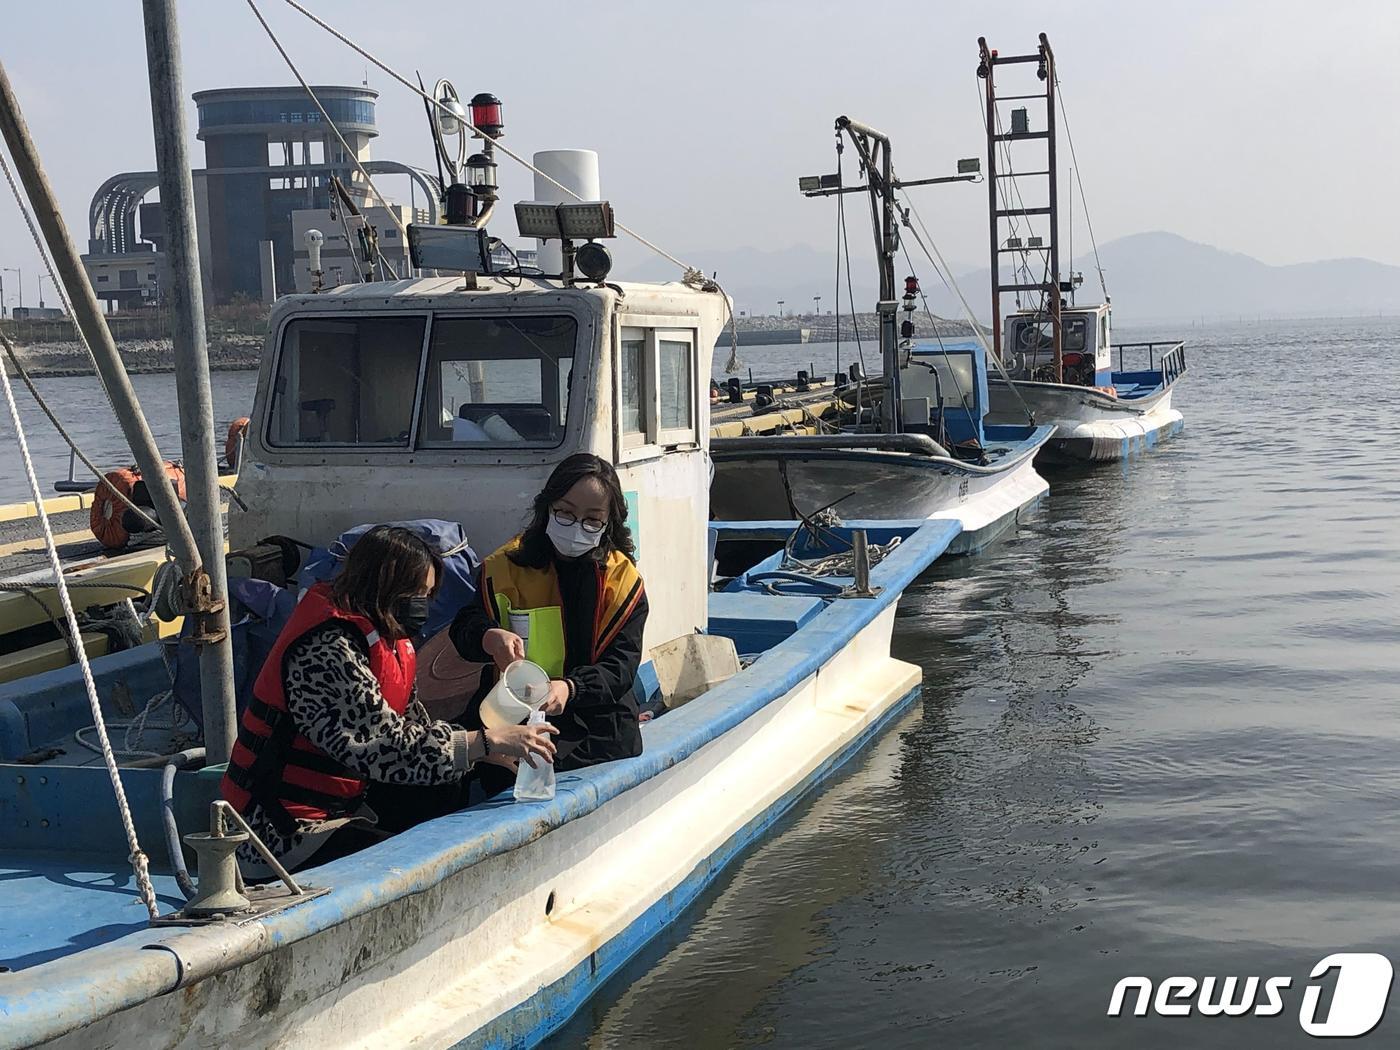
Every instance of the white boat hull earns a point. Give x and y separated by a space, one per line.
1089 426
464 949
876 485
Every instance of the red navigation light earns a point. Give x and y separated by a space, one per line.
486 114
911 285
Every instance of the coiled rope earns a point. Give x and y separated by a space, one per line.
139 864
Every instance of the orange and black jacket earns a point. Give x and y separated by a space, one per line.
601 657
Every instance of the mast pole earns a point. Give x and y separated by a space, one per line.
988 63
874 149
211 635
1047 58
88 316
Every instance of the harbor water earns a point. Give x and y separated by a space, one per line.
1157 736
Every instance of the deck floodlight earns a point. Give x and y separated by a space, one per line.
586 221
583 221
460 248
970 166
814 183
536 219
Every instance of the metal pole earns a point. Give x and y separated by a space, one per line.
1057 320
989 64
2 296
88 316
185 296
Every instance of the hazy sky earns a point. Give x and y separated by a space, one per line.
1267 127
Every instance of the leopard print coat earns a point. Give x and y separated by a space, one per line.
336 702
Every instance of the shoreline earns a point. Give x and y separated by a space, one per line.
70 359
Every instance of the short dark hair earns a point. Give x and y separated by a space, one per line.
536 551
385 564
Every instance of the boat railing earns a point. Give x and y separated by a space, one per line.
1171 353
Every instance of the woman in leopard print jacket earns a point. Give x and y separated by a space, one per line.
334 750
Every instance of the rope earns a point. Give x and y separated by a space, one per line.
67 439
139 864
24 375
685 268
1060 97
327 118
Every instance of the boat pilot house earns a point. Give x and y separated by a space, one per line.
444 387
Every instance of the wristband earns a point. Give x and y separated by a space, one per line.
485 745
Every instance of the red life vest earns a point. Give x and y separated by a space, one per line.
272 762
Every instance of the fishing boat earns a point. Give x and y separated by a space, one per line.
1058 355
913 442
455 395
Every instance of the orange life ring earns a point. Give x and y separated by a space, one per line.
236 430
107 517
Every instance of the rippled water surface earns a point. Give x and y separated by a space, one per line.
1159 735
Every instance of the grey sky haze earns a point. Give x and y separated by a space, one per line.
1262 127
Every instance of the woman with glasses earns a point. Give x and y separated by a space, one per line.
566 595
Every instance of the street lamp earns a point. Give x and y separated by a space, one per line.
20 276
817 304
780 306
42 278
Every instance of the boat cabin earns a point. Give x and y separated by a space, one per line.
420 398
943 392
1086 343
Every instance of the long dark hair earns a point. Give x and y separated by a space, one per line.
536 551
385 564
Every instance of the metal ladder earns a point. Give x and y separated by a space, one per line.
1001 215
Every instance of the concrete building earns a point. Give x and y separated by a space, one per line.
268 155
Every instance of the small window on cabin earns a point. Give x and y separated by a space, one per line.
496 382
633 388
948 379
347 382
1039 334
674 381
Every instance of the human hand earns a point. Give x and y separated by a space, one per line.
504 647
558 697
525 742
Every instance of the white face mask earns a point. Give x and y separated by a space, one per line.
571 541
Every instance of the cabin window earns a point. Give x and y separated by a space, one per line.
632 415
656 381
347 382
497 382
956 379
1039 334
676 387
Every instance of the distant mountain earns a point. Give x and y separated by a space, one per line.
1160 276
1151 276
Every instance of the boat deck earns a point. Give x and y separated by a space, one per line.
71 902
63 902
22 543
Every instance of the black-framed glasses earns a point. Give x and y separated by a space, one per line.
593 525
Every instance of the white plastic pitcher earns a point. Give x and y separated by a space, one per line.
522 687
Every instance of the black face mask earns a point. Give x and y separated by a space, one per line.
412 614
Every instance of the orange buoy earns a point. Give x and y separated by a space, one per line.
236 430
108 515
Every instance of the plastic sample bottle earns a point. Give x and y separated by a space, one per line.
535 784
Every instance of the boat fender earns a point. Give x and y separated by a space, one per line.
237 434
108 514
